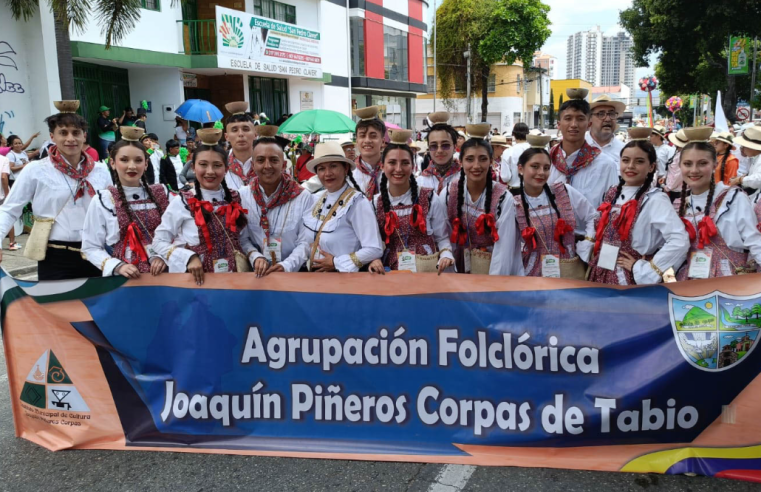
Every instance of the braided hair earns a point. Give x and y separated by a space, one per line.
522 161
711 150
652 157
384 179
143 179
473 143
723 165
350 177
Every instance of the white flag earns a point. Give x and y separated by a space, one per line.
720 121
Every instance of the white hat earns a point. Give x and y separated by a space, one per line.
329 152
751 138
605 100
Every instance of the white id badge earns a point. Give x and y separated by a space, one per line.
273 250
726 268
700 264
151 252
406 261
608 257
466 255
221 266
550 266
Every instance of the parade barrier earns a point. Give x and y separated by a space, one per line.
406 367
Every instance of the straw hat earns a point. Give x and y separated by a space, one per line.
131 133
658 129
698 134
400 137
237 107
420 146
538 141
329 152
679 139
605 100
209 136
640 133
725 137
499 141
577 93
478 130
438 117
267 130
347 143
67 106
368 113
750 139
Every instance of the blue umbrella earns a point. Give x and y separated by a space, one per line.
199 111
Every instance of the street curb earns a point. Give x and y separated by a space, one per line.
25 270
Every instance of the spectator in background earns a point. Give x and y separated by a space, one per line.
349 149
302 173
172 159
509 170
142 116
128 117
181 130
5 172
106 130
91 151
17 157
5 147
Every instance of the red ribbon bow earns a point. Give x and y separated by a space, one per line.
231 212
689 228
135 243
420 223
484 221
625 219
604 210
706 230
392 222
197 208
561 228
529 237
459 235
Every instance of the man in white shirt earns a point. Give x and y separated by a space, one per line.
605 113
5 172
509 170
576 162
663 150
501 152
750 141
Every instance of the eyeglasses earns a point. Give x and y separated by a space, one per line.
445 147
602 114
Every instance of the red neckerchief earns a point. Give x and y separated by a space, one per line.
431 171
80 175
289 190
584 158
372 185
196 208
236 168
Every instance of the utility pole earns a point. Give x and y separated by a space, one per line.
467 104
753 77
541 97
435 67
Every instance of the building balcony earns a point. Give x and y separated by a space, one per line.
197 37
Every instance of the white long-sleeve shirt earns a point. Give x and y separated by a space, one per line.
657 231
612 149
233 181
435 220
753 179
102 227
592 181
49 190
508 171
285 224
735 219
178 229
664 153
351 235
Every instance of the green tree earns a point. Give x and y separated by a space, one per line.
492 31
737 312
756 310
747 314
116 19
692 46
551 115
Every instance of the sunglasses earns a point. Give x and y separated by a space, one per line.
445 147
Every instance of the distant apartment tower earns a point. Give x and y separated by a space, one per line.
584 56
617 60
547 62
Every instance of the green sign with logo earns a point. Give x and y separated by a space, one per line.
738 55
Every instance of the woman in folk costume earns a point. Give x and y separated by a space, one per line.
204 230
728 164
275 204
412 220
551 217
719 219
481 213
240 132
639 238
341 225
60 188
574 160
125 216
371 132
443 168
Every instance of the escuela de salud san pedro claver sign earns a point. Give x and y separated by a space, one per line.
256 44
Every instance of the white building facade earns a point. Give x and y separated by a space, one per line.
584 56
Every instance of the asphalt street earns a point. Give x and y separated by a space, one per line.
27 467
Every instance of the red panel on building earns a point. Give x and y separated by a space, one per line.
415 55
374 45
415 8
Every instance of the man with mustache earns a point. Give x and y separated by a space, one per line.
602 130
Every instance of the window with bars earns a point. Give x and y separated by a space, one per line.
492 86
151 5
273 10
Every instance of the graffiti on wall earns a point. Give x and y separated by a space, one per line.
4 117
7 59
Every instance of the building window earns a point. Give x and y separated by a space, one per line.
151 5
357 34
492 86
274 10
431 84
459 85
395 54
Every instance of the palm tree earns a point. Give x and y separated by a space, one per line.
115 17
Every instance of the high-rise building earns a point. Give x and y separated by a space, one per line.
602 60
584 56
547 62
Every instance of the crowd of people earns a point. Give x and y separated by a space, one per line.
658 207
